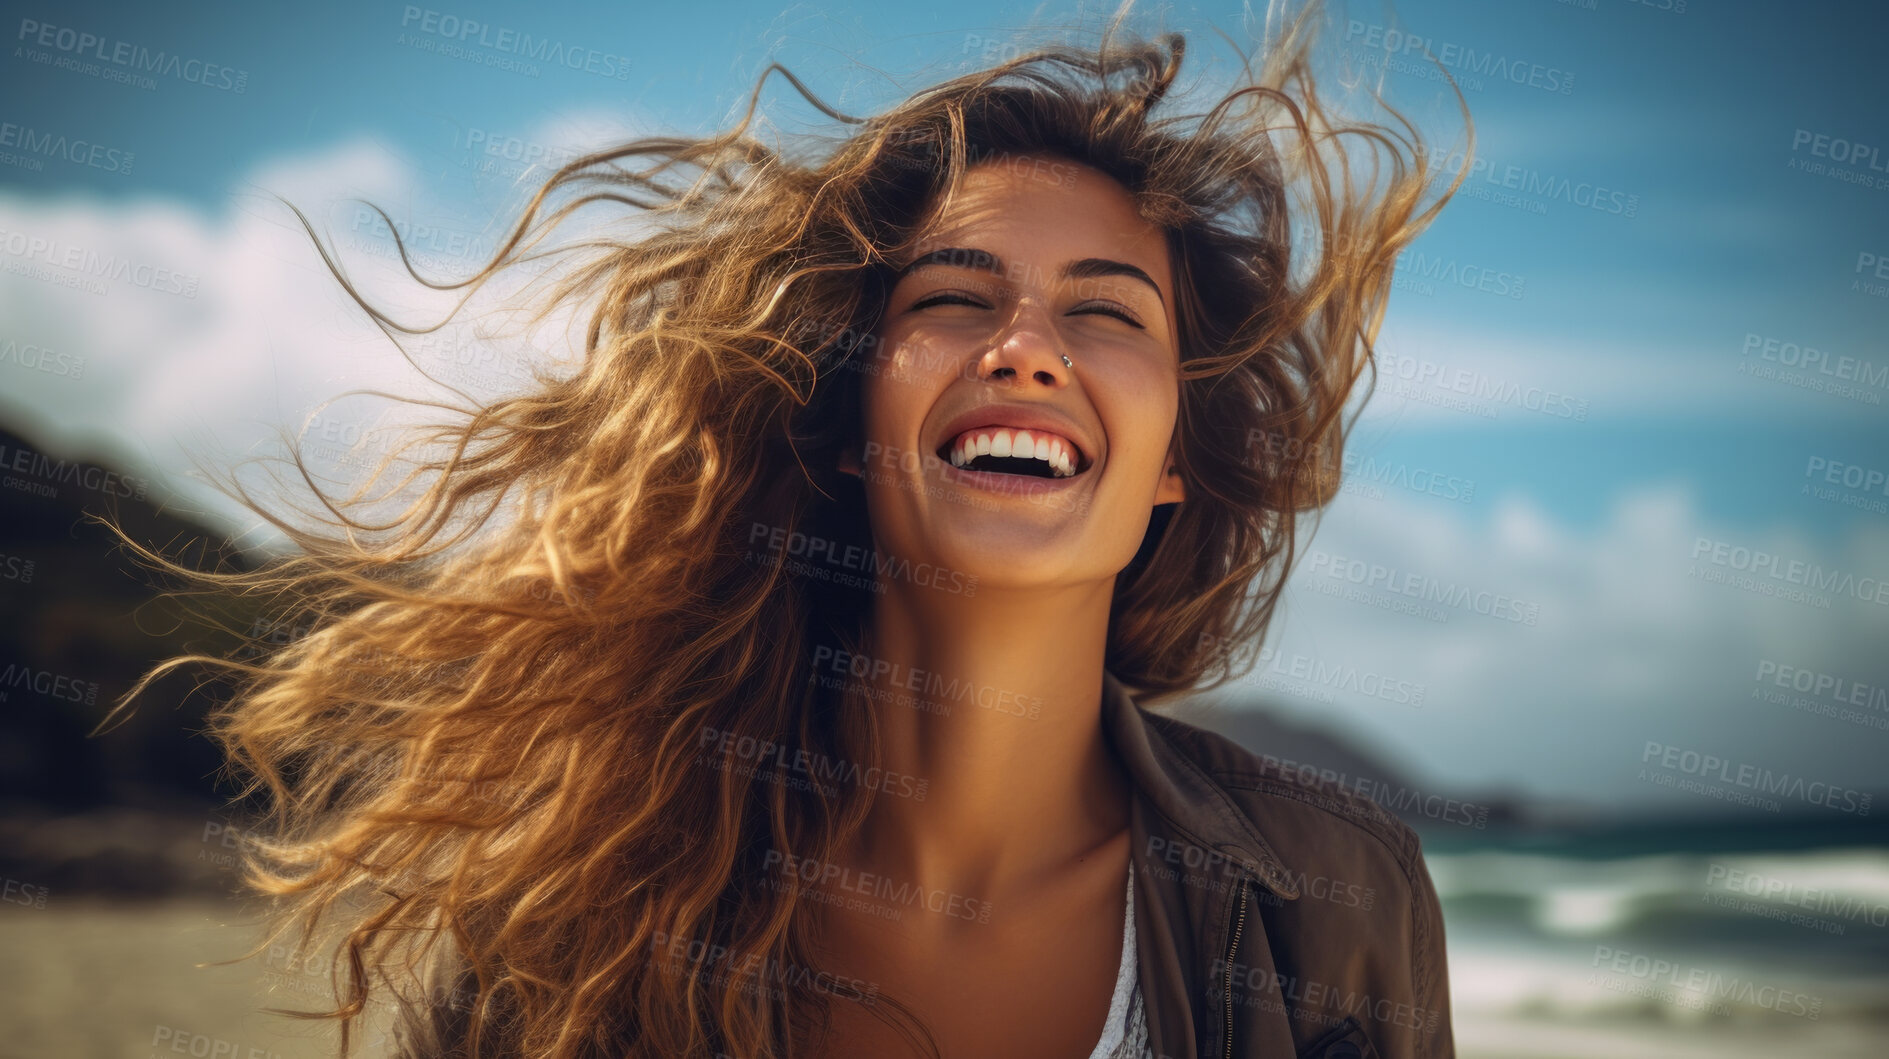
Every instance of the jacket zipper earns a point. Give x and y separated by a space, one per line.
1226 1045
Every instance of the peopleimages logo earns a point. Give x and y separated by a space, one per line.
57 145
1835 688
716 965
1820 900
132 57
92 263
1847 475
38 358
1481 386
760 754
1360 471
1695 987
468 31
423 237
47 684
1681 761
16 568
1395 798
1342 677
1792 572
521 154
877 887
1823 362
15 892
1461 58
1419 272
1839 150
50 473
1311 1000
926 682
872 567
1487 176
1428 589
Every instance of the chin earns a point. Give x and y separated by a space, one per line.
1015 553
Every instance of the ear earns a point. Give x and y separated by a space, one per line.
1171 490
849 461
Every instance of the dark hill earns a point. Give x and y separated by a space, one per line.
80 620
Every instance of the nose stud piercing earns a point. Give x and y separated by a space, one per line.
1066 361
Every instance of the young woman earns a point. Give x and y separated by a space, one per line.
775 682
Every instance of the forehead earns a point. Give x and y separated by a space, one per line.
1046 209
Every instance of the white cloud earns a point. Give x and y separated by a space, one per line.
1630 646
200 334
1434 370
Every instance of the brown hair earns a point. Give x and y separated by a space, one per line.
490 736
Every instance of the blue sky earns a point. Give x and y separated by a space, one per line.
1708 116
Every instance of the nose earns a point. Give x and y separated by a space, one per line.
1028 348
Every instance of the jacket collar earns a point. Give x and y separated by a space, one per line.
1183 792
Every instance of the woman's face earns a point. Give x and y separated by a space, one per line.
1039 258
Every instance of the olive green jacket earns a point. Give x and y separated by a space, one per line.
1274 915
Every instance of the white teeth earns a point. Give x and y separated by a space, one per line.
1053 450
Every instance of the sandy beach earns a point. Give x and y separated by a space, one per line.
115 979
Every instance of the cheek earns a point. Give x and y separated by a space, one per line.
888 410
902 383
1147 408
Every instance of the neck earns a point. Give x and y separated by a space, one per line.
994 703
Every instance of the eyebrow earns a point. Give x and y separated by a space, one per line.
974 258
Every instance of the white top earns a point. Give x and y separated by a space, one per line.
1125 1034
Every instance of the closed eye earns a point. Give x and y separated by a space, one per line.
947 299
958 299
1117 314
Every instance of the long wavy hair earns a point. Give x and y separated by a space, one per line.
483 745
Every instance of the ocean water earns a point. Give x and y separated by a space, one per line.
1765 939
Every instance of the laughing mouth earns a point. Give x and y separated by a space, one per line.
1003 450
